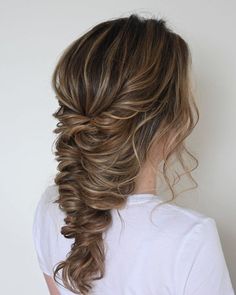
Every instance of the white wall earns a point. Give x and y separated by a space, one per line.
33 34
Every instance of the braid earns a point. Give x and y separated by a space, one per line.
122 87
87 192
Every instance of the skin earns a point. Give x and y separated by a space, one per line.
53 290
145 183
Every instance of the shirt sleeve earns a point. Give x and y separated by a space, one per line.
41 226
201 266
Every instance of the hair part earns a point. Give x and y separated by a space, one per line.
121 86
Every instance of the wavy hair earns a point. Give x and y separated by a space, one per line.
121 86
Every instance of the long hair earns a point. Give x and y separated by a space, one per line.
121 86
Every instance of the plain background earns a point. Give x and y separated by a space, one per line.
33 35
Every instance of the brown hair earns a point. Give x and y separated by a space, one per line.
121 86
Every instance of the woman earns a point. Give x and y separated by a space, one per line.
125 109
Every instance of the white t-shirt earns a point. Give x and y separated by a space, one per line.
174 251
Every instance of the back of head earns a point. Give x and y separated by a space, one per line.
122 86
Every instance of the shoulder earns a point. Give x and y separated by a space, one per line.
44 227
48 216
199 259
46 230
46 207
179 222
197 229
194 227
